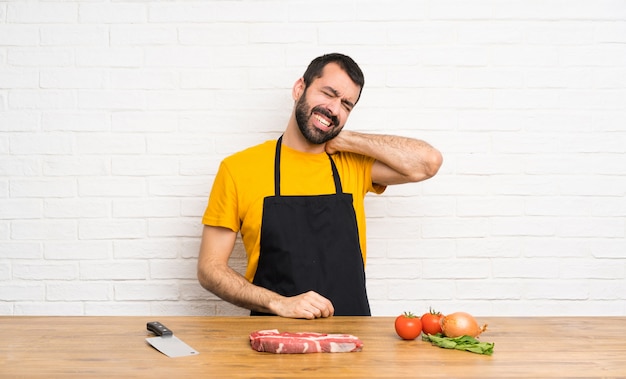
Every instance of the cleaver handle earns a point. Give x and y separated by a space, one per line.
159 329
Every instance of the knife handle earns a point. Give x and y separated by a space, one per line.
159 329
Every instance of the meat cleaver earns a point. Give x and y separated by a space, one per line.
167 343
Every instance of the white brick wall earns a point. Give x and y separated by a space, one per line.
114 116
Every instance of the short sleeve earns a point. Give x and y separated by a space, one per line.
222 209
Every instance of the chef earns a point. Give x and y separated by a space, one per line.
298 203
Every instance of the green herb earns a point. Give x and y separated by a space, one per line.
466 343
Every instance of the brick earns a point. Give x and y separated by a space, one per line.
75 121
77 250
110 308
556 290
407 269
5 271
181 187
78 291
107 143
111 100
591 227
142 121
583 269
143 291
113 270
71 78
421 290
19 35
20 250
41 99
22 291
460 10
111 229
42 13
75 166
153 248
489 290
490 206
44 271
76 208
73 308
193 207
494 247
61 187
179 56
144 208
22 78
41 143
19 166
142 35
612 32
144 166
112 187
419 249
178 100
193 308
112 13
20 209
168 269
19 121
108 57
217 34
38 56
174 227
222 78
192 13
539 268
74 35
144 79
191 291
428 77
363 34
43 230
455 228
460 268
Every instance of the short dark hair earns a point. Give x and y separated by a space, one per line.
345 62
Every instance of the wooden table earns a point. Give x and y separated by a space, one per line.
115 347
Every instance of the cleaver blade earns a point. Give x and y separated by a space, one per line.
167 343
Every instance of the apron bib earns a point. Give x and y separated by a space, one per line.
312 243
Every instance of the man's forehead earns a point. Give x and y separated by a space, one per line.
335 78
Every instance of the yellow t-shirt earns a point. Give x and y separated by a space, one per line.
244 179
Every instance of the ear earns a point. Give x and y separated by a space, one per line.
298 88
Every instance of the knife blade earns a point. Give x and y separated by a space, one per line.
167 343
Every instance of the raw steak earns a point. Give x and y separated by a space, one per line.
272 341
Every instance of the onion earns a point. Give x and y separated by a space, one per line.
461 324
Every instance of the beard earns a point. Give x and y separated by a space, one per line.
312 134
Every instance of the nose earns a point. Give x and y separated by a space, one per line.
334 105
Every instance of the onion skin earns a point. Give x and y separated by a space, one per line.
461 324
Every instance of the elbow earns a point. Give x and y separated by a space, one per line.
205 277
428 167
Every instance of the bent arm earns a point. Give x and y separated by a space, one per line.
398 159
215 275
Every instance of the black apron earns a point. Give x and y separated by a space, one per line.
312 243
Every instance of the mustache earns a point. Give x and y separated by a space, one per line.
325 113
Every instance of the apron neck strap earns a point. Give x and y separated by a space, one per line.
336 178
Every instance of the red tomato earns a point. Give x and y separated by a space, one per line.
431 322
408 326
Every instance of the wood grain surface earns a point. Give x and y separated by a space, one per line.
115 347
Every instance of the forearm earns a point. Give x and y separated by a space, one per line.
412 159
232 287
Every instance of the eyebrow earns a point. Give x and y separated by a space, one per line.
336 93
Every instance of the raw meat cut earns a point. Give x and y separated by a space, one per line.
272 341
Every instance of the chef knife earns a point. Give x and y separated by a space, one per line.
167 343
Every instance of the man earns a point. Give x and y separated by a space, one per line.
298 203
